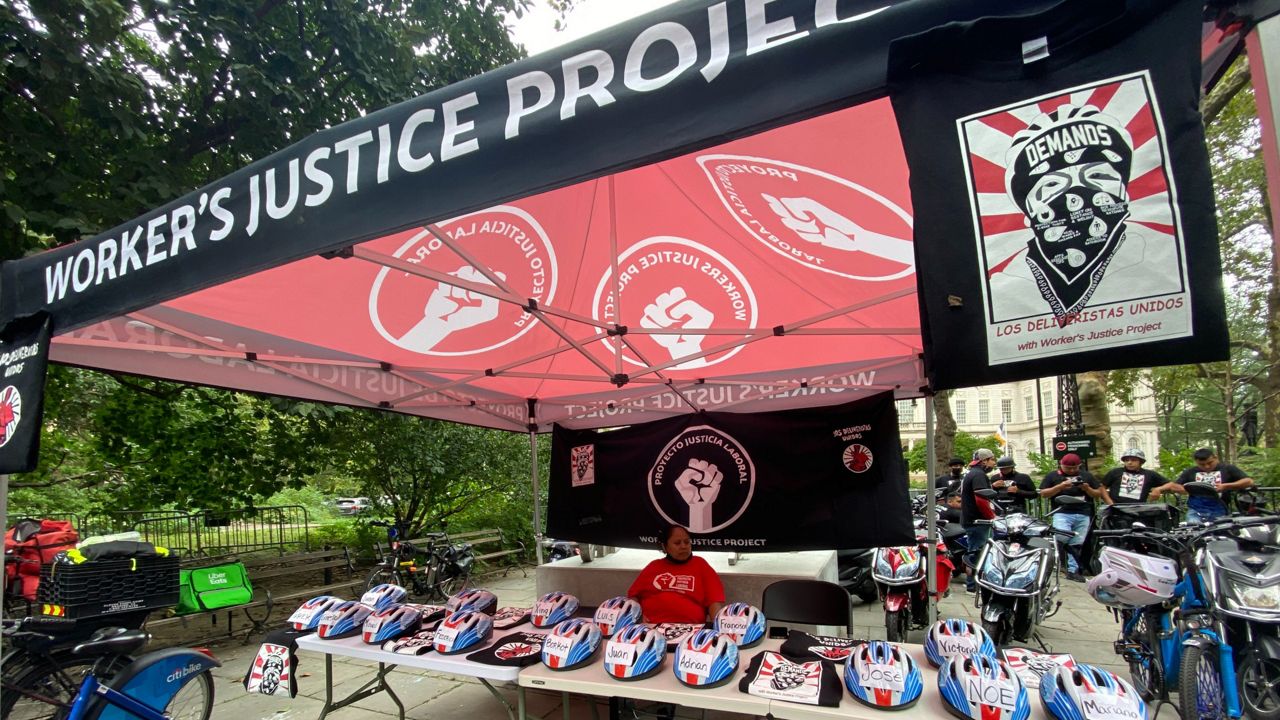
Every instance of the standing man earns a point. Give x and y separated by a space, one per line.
951 479
1069 480
974 508
1130 483
1207 469
1018 487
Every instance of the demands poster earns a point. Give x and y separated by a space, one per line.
817 478
1078 231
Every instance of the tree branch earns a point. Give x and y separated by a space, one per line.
1214 103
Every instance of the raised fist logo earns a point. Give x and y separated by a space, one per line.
819 224
449 309
699 485
789 675
674 309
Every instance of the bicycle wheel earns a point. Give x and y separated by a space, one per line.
1200 692
194 700
56 679
453 585
383 576
1144 666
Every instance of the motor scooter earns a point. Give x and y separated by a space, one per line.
1017 573
899 573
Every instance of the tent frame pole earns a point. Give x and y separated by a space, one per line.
537 495
930 514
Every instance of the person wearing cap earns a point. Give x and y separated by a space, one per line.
1071 480
1132 483
974 509
1018 487
951 479
1208 469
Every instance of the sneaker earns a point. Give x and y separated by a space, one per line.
970 589
1075 577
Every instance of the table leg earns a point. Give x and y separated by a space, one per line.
494 692
564 697
373 687
523 713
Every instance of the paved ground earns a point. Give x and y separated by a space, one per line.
1082 628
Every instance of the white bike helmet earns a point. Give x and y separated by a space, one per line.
570 644
307 616
553 609
954 636
742 623
473 599
1067 692
617 614
635 653
343 620
391 623
705 659
982 688
1129 579
462 631
381 597
881 675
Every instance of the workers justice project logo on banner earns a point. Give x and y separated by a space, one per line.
431 316
802 479
703 480
1074 210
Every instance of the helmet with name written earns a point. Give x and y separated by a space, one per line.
880 674
1067 693
570 644
743 623
635 653
343 620
705 659
617 614
955 636
552 609
391 623
982 688
462 631
381 597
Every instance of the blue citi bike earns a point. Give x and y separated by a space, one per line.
1172 598
171 684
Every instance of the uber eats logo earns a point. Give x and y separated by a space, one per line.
703 479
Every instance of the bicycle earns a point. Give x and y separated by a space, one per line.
446 570
100 673
1192 649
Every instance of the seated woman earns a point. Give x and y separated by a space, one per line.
678 588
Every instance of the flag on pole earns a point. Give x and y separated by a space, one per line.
1004 441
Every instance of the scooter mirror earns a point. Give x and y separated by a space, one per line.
1201 489
987 494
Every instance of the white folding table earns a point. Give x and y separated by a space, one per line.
387 661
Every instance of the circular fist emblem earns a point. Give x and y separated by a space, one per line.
10 413
703 479
678 287
432 317
814 218
857 458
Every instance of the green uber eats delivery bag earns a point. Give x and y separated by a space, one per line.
211 588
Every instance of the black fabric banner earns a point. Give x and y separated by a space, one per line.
819 478
24 357
664 84
1064 213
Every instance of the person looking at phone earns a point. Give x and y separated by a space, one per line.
1071 480
1208 469
678 587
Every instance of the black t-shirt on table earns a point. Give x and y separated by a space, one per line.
1056 477
1131 487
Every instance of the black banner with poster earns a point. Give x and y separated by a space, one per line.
24 357
830 477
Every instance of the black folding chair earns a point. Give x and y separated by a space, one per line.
811 602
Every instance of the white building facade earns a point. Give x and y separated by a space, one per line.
979 411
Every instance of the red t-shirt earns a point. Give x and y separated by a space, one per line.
679 593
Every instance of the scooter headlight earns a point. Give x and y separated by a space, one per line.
1247 597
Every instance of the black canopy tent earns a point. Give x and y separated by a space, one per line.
177 293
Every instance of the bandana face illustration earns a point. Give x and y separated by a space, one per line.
1070 178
